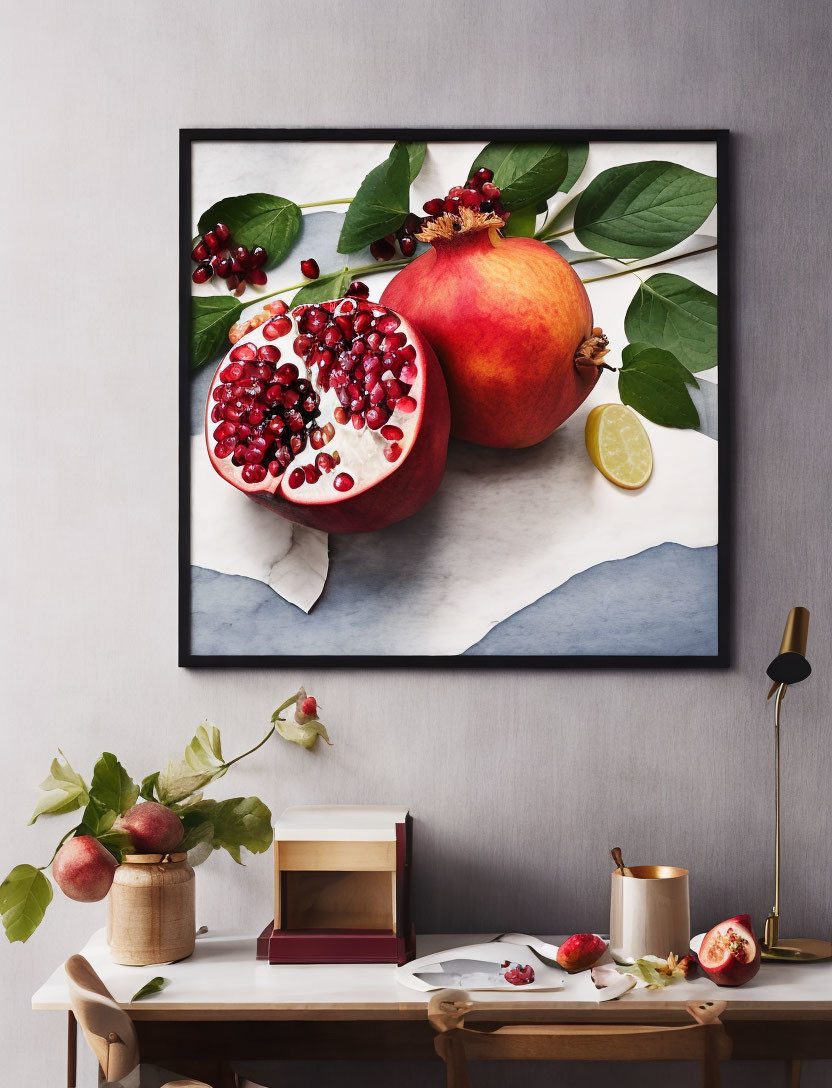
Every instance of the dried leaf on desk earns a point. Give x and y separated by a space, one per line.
155 986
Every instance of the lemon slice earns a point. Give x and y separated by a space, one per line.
618 445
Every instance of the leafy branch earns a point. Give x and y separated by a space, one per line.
233 824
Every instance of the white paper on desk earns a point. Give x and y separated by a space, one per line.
233 535
479 967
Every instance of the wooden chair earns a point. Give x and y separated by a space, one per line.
704 1040
108 1029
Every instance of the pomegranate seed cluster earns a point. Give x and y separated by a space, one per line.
216 254
357 350
264 411
479 194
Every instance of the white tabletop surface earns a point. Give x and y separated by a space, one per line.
339 823
223 980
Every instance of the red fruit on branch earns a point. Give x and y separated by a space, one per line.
153 828
510 322
83 869
729 954
310 706
365 390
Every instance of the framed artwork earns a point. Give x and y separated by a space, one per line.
452 398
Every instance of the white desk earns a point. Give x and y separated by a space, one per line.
782 1013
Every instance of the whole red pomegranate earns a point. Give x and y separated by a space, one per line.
349 434
510 322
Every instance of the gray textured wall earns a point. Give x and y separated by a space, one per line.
519 781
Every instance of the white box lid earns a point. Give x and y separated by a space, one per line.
339 823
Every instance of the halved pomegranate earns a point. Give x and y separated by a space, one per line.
348 434
729 954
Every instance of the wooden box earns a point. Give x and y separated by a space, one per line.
341 886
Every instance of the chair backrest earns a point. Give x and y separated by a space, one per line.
107 1027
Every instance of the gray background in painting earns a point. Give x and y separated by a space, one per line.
519 780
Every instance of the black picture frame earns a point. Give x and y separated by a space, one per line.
722 658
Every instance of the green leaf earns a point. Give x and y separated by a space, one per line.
148 789
381 203
305 735
257 219
577 154
416 157
112 787
211 318
117 841
333 285
24 896
204 753
196 831
96 821
654 383
237 822
562 220
678 315
524 172
64 790
155 986
646 969
643 208
521 223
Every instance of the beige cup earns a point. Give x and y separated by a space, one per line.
649 913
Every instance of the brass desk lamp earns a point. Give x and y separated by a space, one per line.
789 667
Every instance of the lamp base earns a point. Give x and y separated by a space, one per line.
798 950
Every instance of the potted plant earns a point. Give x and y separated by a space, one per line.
139 841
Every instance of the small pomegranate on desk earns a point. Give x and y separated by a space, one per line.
509 319
729 954
351 435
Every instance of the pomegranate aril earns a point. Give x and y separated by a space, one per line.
469 198
328 431
278 326
286 373
274 468
311 474
254 474
202 273
332 336
225 447
243 353
253 456
297 443
217 413
406 404
373 340
290 398
483 174
310 405
358 421
276 425
257 277
358 347
302 344
409 373
317 440
295 420
258 257
256 415
324 463
242 255
392 453
383 249
277 307
199 252
222 232
394 341
232 281
224 430
392 433
212 242
309 268
343 482
268 353
362 322
407 244
243 431
232 373
451 204
296 478
340 415
455 190
240 452
345 325
376 417
490 192
393 388
357 289
378 394
284 456
387 323
435 206
223 268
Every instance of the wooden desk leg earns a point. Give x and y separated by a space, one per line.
71 1050
793 1073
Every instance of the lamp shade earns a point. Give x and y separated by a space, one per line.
790 666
